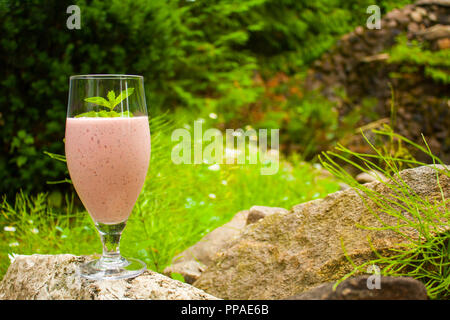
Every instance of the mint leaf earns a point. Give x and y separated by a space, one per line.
105 114
98 100
112 99
91 114
111 104
123 95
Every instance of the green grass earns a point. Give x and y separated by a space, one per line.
426 255
178 205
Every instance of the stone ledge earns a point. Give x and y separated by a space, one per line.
53 277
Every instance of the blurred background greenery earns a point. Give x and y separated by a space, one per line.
231 63
197 57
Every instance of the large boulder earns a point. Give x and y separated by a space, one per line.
53 277
193 261
288 253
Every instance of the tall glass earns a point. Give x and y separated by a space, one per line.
108 152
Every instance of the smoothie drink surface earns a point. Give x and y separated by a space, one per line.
108 160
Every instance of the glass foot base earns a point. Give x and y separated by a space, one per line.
96 270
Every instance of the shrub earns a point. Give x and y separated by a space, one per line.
414 57
39 54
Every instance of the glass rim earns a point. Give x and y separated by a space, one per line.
105 76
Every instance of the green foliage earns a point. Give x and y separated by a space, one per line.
425 257
105 114
412 55
39 54
308 122
178 205
198 55
288 35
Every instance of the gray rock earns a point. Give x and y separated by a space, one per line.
391 288
444 3
260 212
192 261
286 254
435 32
413 27
416 16
53 277
371 176
191 270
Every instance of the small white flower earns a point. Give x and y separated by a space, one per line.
30 221
285 198
317 166
14 244
202 203
9 229
35 230
212 115
224 182
230 152
189 203
212 195
289 177
214 167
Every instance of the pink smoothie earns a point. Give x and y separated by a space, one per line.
108 160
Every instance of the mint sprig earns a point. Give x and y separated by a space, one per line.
111 103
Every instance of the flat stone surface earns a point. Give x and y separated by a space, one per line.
192 261
53 277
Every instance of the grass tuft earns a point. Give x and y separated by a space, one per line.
425 257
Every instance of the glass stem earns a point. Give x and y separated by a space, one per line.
110 235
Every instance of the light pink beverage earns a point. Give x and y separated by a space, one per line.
108 160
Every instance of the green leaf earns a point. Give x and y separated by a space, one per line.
21 160
55 156
126 114
123 95
98 100
91 114
112 99
177 276
105 114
